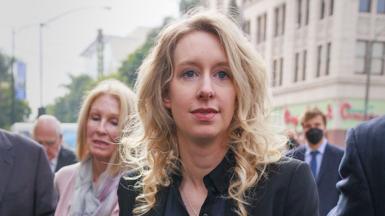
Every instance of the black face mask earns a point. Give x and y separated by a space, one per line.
314 135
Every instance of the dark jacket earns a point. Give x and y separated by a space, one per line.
26 180
362 169
66 157
327 177
288 185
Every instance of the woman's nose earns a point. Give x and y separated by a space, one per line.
206 90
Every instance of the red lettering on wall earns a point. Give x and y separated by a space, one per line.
347 113
289 119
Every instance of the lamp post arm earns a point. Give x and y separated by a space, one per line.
52 19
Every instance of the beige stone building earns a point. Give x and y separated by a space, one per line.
317 53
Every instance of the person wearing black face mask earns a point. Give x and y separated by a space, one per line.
322 157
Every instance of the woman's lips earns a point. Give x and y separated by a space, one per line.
204 114
100 143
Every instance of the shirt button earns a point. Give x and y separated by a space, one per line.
205 214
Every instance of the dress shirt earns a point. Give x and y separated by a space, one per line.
216 182
53 161
321 151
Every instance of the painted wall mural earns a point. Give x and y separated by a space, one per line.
341 114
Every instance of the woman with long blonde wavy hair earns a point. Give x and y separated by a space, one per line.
202 144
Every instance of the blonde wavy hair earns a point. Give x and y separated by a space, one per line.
126 98
151 148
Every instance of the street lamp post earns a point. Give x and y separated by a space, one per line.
13 102
43 24
368 70
13 59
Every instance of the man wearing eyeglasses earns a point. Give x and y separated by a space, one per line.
47 132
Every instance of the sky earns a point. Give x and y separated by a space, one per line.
66 37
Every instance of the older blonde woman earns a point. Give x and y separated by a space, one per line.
204 146
89 187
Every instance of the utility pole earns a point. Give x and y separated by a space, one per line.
41 109
13 106
43 24
368 68
100 52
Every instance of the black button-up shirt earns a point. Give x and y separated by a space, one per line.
216 182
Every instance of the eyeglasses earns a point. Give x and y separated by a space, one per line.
47 143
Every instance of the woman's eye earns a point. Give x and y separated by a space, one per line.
95 117
222 75
115 122
189 74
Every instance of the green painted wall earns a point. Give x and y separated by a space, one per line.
342 114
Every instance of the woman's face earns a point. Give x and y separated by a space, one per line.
201 94
102 127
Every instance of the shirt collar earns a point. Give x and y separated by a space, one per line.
53 161
219 178
321 148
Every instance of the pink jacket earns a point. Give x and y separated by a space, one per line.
64 186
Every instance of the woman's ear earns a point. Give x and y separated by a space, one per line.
167 101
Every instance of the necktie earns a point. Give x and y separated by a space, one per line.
313 162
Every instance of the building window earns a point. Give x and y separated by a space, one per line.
219 4
322 11
360 56
246 27
280 71
307 12
299 13
279 23
378 56
302 13
261 28
296 67
277 73
274 73
264 26
323 60
319 60
328 50
376 59
381 6
304 53
365 6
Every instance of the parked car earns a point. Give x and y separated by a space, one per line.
69 132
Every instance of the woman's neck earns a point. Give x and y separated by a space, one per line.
98 167
200 159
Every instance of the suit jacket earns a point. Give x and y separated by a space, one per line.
327 177
66 157
362 188
26 180
288 185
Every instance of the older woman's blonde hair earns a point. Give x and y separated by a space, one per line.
152 149
126 99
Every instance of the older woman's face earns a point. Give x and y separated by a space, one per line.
201 93
102 127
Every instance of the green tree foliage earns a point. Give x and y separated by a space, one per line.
127 73
22 109
186 5
66 108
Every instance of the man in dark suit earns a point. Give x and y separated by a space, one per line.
362 188
26 181
47 132
322 157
